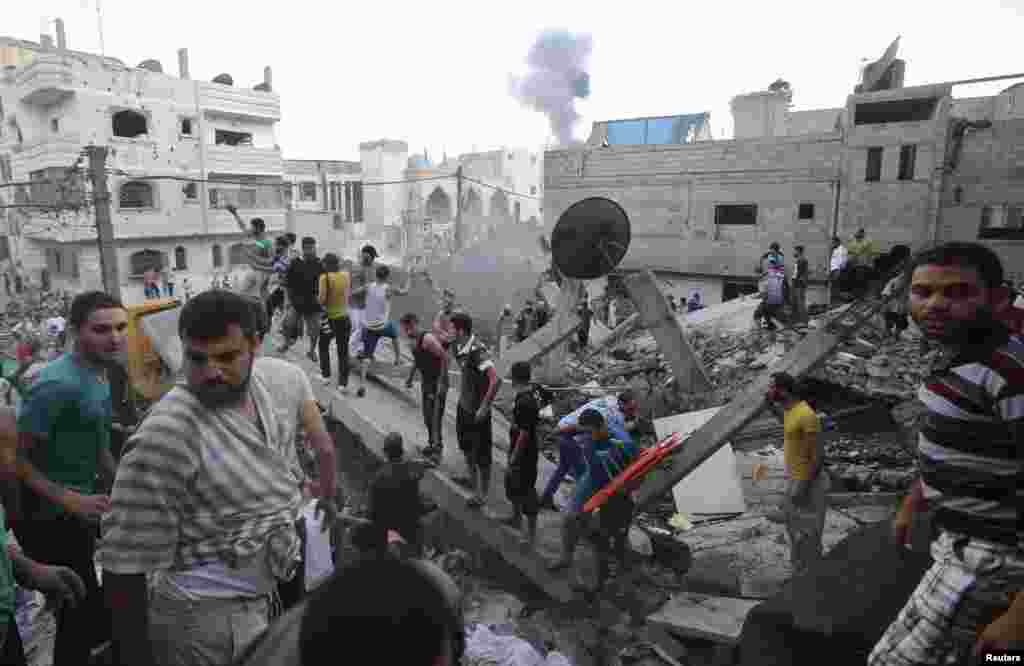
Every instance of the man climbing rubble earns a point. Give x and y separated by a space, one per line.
395 499
805 502
524 454
620 414
430 360
361 276
970 465
377 322
604 458
207 500
473 424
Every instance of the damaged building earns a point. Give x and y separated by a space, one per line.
910 165
180 151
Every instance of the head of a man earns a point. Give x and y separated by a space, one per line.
99 324
462 323
414 606
393 447
291 238
383 273
280 246
591 422
836 242
955 291
332 262
520 373
448 300
798 251
629 404
783 389
309 247
220 333
775 247
859 235
368 255
259 227
410 325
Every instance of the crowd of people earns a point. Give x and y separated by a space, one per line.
200 523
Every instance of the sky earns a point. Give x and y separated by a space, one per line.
437 74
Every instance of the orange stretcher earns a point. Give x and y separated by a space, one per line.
631 476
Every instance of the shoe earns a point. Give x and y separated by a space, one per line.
326 381
360 392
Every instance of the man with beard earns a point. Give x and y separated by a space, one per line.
63 444
362 275
207 499
970 464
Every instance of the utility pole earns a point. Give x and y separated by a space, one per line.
458 209
104 226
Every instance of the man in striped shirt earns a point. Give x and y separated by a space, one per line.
969 463
206 500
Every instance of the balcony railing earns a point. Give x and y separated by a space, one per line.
239 102
47 80
244 159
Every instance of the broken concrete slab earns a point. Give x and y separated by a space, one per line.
717 619
712 488
657 316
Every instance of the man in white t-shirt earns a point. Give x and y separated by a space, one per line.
377 322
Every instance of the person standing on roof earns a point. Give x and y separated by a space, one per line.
694 303
805 502
969 459
837 267
362 275
620 414
259 251
377 320
773 259
430 360
334 298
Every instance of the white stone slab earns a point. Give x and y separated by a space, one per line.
714 487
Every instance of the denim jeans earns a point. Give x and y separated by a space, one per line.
570 459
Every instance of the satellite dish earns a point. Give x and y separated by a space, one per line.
590 238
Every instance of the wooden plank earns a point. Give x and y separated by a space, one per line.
615 335
718 619
656 315
748 404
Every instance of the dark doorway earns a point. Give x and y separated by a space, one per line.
731 290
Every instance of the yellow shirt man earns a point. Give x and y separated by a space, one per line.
800 437
334 293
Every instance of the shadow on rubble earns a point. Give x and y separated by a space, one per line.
840 609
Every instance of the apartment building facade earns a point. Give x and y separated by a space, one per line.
180 150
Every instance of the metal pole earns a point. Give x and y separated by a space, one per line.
104 225
458 209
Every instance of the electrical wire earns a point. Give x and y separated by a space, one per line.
501 189
276 183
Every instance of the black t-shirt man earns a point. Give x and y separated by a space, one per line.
303 280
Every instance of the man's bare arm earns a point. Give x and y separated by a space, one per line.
238 218
128 602
107 466
323 445
30 474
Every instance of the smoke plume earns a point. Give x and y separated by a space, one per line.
556 78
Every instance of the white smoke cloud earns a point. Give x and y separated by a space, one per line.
557 77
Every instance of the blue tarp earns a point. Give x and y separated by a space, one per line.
654 131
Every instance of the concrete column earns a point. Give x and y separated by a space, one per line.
183 63
268 78
62 41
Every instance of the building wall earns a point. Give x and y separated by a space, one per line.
64 101
670 194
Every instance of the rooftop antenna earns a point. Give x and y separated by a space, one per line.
99 24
